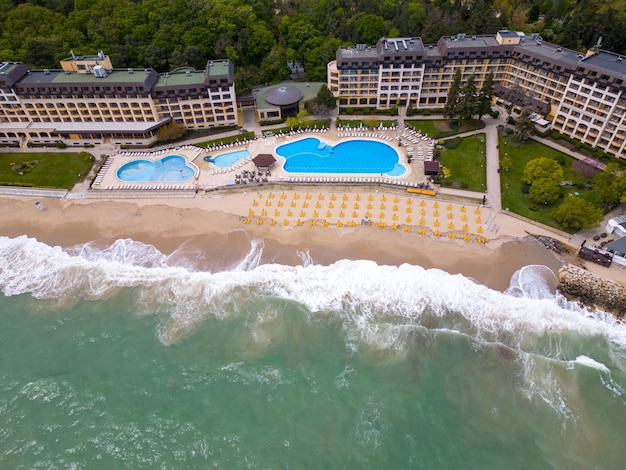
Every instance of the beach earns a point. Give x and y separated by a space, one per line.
204 222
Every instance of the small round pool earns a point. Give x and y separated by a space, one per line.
229 159
170 169
310 155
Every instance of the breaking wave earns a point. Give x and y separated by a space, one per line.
376 304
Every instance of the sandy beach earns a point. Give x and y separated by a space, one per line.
218 227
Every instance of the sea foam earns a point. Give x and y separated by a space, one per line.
376 304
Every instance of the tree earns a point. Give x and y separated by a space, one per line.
467 103
325 98
606 185
450 109
524 127
584 171
483 103
369 28
544 191
172 131
292 122
542 167
577 214
155 57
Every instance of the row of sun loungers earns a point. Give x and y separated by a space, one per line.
227 146
354 180
103 170
240 163
363 134
151 187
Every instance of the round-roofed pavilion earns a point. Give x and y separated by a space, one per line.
286 97
281 101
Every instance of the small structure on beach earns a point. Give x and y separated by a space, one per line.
264 161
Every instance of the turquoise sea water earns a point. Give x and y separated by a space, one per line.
120 357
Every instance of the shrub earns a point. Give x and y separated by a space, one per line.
534 208
60 145
453 143
560 159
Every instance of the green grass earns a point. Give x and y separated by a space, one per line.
513 196
466 164
226 140
55 169
441 128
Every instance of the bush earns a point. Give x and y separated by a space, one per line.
453 143
494 113
60 145
534 208
560 159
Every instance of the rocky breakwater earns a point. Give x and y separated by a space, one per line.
578 284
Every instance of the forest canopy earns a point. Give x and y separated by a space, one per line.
261 36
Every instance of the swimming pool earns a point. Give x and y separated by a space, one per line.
229 159
170 169
310 155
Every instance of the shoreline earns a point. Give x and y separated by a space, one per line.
210 226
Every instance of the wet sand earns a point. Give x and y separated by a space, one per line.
209 234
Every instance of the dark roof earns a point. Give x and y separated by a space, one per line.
264 160
283 95
431 166
618 246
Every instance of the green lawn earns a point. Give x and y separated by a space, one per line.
226 140
513 196
466 164
48 169
441 128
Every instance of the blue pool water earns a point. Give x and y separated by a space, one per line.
310 155
229 159
170 169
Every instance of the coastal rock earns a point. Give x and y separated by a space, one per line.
578 284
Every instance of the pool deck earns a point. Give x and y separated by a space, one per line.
408 144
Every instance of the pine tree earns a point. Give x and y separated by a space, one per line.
325 98
469 98
483 105
450 109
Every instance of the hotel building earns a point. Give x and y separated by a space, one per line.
88 101
581 95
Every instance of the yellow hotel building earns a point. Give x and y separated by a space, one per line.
582 95
88 101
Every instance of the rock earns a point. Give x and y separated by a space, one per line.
578 284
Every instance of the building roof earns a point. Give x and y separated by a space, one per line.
116 76
309 91
109 127
283 95
178 77
617 246
264 160
431 167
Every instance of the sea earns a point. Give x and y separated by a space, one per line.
116 355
